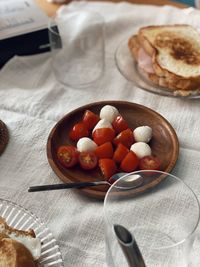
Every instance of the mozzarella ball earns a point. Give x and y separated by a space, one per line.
103 124
86 144
109 113
142 134
141 149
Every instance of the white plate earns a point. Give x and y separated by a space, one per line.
20 218
128 67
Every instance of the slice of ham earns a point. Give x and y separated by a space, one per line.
145 61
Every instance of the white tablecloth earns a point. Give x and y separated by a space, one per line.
31 102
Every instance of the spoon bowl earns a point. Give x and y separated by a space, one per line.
130 182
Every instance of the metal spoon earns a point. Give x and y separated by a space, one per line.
129 182
129 246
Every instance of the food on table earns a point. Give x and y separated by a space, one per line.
120 152
169 55
149 163
110 147
103 135
104 151
130 162
103 123
119 124
141 149
90 119
125 137
108 167
109 113
68 156
18 248
88 160
142 134
79 130
86 144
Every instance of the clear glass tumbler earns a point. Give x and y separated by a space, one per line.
77 45
162 219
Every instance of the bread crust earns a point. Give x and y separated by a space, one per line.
15 254
162 76
12 252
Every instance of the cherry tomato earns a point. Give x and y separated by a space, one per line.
90 119
79 130
130 162
108 167
119 124
149 163
67 155
104 151
120 152
87 160
103 135
125 137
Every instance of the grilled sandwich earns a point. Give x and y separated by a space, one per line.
169 55
18 248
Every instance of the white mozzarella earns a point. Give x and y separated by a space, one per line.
142 134
109 113
141 149
86 144
103 124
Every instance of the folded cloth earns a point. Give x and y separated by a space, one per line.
32 102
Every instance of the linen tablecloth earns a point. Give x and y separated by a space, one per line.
31 102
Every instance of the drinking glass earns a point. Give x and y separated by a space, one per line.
77 45
163 219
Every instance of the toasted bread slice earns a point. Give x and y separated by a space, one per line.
175 54
15 254
175 50
27 238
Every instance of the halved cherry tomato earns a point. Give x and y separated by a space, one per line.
90 119
149 163
125 137
119 124
130 162
103 135
120 152
67 155
87 160
79 130
108 167
104 151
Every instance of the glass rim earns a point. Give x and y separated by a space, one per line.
52 21
106 217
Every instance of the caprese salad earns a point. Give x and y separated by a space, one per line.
106 141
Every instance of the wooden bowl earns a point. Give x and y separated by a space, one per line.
4 136
164 143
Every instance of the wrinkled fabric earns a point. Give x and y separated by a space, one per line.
32 101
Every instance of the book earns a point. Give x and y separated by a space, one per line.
23 29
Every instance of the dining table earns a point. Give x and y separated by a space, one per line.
32 101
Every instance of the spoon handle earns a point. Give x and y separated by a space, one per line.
64 186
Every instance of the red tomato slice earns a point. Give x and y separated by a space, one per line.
103 135
87 160
90 119
79 130
104 151
130 162
149 163
67 155
108 167
120 153
125 137
119 124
